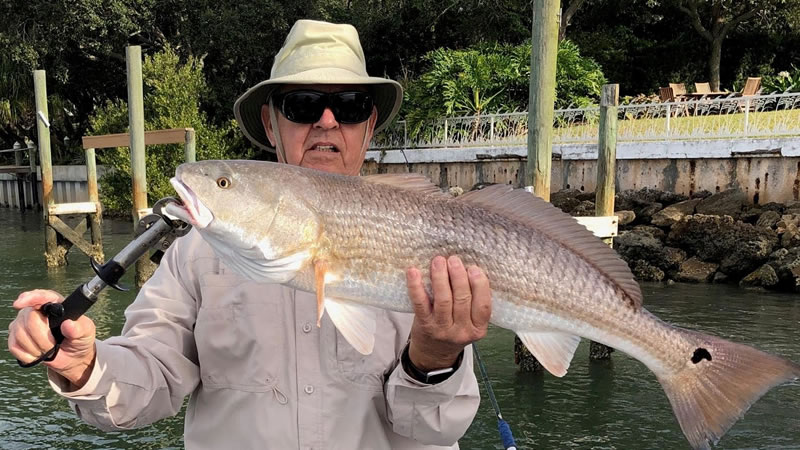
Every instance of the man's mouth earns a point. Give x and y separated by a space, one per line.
330 148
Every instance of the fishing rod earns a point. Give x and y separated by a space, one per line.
502 425
153 231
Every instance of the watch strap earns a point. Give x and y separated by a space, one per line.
430 377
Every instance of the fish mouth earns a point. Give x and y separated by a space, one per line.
193 210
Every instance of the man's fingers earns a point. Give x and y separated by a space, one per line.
442 293
481 310
36 298
462 294
416 292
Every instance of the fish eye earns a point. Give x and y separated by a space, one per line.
223 182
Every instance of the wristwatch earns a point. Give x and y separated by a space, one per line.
432 377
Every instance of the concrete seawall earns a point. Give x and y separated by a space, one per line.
768 170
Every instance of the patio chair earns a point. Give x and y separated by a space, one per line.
702 88
667 95
679 89
752 87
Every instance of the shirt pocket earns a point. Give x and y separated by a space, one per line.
238 333
367 371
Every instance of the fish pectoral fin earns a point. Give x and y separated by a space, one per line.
320 267
356 323
553 349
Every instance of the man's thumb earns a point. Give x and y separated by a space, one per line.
80 329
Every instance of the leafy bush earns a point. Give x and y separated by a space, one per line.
494 78
784 81
172 92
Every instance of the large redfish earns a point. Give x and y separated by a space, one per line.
350 240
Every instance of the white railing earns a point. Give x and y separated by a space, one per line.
700 118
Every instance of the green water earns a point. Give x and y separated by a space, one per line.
611 405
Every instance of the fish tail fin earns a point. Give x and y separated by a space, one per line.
719 383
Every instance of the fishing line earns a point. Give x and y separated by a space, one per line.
502 425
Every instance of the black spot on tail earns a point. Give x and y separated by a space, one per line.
700 354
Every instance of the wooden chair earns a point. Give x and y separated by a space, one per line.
678 89
665 94
752 86
702 88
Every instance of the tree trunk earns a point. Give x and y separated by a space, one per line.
713 63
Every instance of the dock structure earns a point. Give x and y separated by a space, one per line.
59 236
24 173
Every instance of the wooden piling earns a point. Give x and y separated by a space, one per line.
20 180
189 146
96 218
33 178
144 267
541 106
542 93
606 171
54 256
607 152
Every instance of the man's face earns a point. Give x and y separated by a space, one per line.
326 144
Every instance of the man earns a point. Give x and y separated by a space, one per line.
259 373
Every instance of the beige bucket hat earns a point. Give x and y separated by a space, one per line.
316 53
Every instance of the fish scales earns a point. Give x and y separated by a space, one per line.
351 239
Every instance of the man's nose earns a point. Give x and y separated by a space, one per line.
327 121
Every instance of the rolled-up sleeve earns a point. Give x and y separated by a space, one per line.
145 374
433 414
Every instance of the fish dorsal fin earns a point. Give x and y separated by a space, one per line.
521 205
553 349
356 323
409 181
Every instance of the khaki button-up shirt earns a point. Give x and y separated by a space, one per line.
259 372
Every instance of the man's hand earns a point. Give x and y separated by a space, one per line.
458 315
29 338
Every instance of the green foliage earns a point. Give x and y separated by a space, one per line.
783 81
172 92
494 78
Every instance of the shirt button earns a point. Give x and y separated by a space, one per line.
307 327
309 389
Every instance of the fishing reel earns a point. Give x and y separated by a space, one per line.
155 230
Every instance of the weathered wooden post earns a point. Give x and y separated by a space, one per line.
144 267
541 106
53 254
20 179
606 171
542 93
96 218
190 154
33 177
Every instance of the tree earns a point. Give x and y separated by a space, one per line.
566 17
714 20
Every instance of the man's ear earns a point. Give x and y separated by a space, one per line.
373 119
267 124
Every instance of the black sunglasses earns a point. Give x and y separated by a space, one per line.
307 106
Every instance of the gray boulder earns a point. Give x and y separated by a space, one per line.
645 215
790 237
751 215
738 247
764 276
702 194
644 271
625 217
725 203
584 209
786 263
695 271
673 213
773 206
768 219
565 199
655 232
